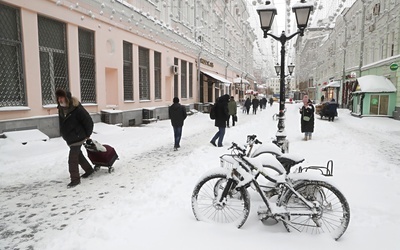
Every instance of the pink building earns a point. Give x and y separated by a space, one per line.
124 60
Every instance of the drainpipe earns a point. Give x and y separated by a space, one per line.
364 3
344 60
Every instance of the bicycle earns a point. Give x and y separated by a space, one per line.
303 203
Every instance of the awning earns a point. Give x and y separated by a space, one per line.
374 84
334 84
240 80
216 77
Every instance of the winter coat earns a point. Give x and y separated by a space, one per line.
307 126
177 114
255 103
332 109
75 122
232 107
247 103
221 111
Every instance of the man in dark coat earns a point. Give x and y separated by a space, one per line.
177 114
221 117
255 103
76 126
247 105
332 110
307 118
232 108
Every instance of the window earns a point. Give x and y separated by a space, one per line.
190 80
379 104
144 77
157 75
176 79
53 58
128 71
183 79
87 67
12 85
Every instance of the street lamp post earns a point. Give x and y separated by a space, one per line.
267 13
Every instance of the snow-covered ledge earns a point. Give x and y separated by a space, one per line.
15 108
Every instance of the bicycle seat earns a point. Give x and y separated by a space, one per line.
289 160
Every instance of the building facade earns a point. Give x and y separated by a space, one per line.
365 40
124 60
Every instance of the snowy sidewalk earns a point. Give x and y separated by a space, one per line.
145 203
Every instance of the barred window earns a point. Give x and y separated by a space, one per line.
128 71
157 75
176 79
183 79
53 58
144 74
12 84
86 66
190 80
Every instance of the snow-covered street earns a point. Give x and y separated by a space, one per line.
145 203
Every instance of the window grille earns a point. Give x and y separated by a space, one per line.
87 66
144 82
157 75
176 79
12 84
53 58
190 80
183 79
128 71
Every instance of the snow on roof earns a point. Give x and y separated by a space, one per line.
240 80
334 84
373 83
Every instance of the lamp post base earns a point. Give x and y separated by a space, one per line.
282 143
281 140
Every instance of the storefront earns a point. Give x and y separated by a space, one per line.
374 96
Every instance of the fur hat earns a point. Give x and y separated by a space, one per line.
176 100
61 93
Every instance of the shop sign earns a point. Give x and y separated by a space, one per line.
394 66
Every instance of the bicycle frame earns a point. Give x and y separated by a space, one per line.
240 171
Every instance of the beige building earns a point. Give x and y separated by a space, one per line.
363 40
124 60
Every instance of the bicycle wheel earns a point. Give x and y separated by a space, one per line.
334 212
206 205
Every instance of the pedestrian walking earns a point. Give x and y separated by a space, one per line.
255 102
247 105
232 110
332 109
177 114
307 118
263 103
271 101
76 126
221 116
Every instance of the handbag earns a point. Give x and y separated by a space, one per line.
306 118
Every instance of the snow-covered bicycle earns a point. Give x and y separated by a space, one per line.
303 202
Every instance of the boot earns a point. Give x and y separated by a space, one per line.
305 138
309 137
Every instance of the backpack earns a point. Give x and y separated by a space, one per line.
212 111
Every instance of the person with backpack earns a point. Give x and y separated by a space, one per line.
221 117
177 114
